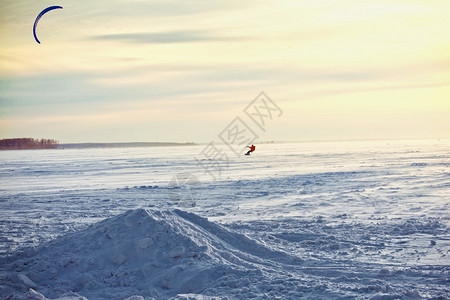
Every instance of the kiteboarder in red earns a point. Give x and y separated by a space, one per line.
252 148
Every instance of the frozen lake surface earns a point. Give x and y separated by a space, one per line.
366 220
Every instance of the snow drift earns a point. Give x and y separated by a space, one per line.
150 253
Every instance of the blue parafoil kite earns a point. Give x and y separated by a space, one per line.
39 17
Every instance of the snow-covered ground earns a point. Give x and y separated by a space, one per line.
365 220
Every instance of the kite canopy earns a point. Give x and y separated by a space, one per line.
40 16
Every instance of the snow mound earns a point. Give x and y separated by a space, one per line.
149 253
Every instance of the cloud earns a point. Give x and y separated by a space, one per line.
367 89
161 8
188 36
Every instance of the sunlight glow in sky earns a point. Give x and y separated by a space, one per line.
134 70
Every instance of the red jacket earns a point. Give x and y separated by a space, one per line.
252 148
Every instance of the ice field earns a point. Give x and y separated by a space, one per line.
324 220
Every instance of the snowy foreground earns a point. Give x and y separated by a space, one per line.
365 220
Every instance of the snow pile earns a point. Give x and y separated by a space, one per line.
149 253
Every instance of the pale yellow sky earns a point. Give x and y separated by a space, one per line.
182 70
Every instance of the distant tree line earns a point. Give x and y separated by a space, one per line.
27 143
